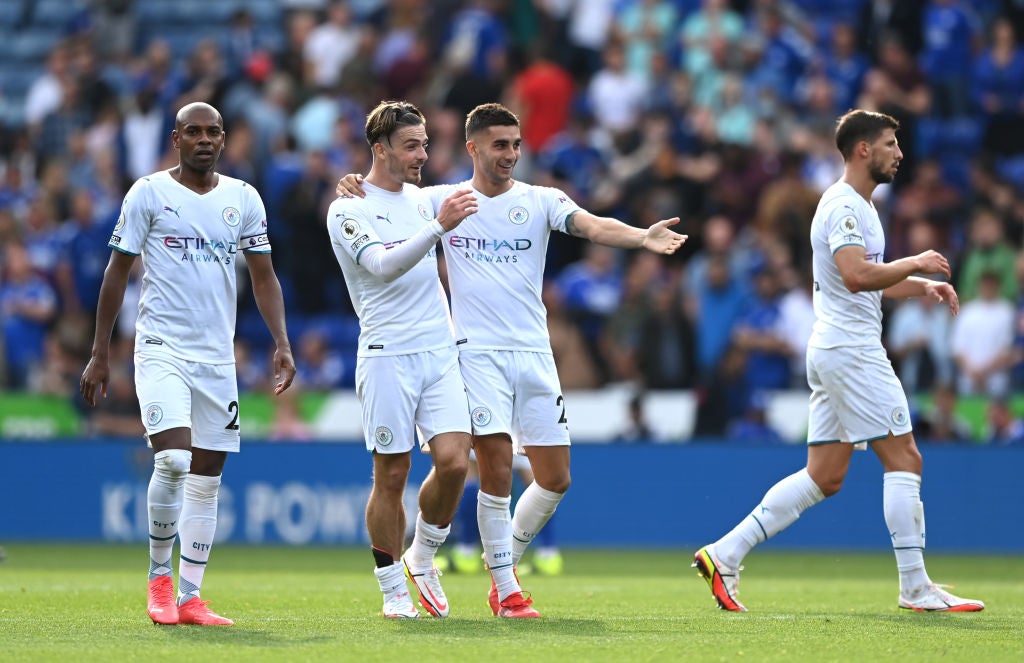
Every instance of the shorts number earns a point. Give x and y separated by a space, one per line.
233 407
561 401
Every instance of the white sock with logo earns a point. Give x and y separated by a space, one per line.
495 522
163 501
904 516
780 507
426 541
533 510
198 526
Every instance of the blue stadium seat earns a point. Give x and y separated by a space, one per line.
55 13
1012 170
10 12
33 44
16 80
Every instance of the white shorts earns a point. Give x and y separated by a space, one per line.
516 393
402 394
175 393
855 396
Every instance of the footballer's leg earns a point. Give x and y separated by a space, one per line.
385 523
538 502
904 516
198 527
164 504
439 499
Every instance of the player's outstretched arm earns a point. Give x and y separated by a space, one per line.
915 286
115 281
266 289
612 232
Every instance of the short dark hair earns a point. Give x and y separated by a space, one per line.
388 116
489 115
858 125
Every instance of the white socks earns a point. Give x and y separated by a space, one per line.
904 516
533 510
495 522
426 541
163 500
780 507
198 525
391 578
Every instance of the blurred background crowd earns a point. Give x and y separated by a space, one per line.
719 112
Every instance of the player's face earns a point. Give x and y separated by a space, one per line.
406 153
200 140
885 157
495 152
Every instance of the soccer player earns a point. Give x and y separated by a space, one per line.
856 399
188 224
496 268
407 368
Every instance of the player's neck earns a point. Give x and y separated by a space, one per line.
490 188
198 181
383 180
861 181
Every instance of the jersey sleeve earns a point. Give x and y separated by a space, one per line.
254 237
843 228
133 224
558 207
349 226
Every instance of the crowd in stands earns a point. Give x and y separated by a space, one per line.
720 112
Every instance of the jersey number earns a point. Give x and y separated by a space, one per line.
561 401
233 407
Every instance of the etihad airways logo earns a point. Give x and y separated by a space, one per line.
496 245
498 251
202 249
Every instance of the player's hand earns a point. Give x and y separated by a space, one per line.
932 262
456 207
659 239
96 374
943 292
350 186
284 369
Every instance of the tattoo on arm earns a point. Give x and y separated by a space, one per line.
570 226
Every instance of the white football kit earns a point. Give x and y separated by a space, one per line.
855 394
495 261
407 374
184 342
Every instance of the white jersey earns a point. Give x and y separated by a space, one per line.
189 242
403 316
495 264
844 318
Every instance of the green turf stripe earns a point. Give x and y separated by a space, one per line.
192 561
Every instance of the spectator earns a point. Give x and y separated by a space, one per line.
645 28
918 341
320 367
982 343
637 429
573 362
988 252
330 46
616 96
998 91
949 39
758 336
542 95
666 343
941 422
1003 427
28 307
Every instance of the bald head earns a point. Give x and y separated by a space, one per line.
195 112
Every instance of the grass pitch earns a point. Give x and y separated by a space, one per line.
87 603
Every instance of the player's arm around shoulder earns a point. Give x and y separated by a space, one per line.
659 238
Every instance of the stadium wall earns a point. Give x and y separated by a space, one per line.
623 495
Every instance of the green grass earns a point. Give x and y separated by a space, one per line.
87 603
